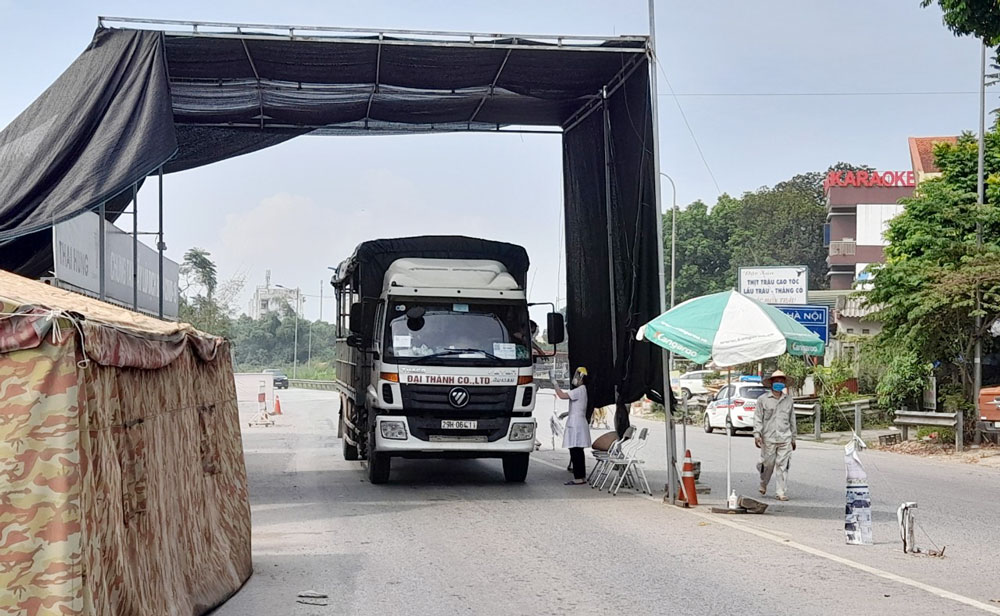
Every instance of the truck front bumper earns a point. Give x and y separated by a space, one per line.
412 445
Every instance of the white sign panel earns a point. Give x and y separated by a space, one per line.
76 247
784 284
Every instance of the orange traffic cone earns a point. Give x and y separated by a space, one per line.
687 477
277 411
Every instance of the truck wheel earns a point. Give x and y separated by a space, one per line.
378 467
515 468
350 451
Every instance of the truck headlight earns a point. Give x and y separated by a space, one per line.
393 430
522 431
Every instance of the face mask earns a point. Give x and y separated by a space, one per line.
779 387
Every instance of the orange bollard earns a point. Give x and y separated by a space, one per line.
687 477
277 411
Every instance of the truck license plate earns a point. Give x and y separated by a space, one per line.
458 424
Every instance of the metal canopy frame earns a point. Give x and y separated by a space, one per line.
633 50
383 36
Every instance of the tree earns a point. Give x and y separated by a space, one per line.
199 269
978 18
782 225
925 291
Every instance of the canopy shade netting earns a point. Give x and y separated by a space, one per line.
180 96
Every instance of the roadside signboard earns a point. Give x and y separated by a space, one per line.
76 253
781 284
814 318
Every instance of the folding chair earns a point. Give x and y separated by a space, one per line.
601 457
631 469
616 462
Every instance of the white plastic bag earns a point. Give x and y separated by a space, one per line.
858 513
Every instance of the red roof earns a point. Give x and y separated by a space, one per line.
922 153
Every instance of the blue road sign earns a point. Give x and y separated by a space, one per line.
815 318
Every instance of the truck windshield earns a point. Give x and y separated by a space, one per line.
458 333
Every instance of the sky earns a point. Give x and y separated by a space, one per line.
747 98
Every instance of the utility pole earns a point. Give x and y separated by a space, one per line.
672 478
977 367
295 344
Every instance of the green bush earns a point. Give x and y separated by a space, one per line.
944 435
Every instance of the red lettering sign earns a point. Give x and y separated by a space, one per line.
869 178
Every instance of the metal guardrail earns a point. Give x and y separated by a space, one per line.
813 410
308 384
904 419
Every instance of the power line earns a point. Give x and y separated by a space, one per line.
688 125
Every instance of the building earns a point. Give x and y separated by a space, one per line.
859 206
272 298
922 156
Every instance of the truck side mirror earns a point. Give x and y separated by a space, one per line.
555 330
356 318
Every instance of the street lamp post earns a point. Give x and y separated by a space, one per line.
295 344
673 284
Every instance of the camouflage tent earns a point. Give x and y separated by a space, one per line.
122 482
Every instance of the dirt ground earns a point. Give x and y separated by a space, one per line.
987 455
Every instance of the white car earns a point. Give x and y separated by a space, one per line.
733 407
692 384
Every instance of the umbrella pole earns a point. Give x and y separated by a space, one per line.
729 436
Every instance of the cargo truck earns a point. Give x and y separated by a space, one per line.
434 352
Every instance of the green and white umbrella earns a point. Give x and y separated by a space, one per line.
730 329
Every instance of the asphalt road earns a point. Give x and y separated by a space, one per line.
450 537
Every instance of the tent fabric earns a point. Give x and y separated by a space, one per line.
124 487
603 301
137 100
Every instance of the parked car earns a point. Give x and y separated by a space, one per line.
280 379
733 407
691 384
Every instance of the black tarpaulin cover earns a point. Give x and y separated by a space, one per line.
139 100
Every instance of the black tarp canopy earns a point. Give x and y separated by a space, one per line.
151 96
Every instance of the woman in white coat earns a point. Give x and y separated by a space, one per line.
577 434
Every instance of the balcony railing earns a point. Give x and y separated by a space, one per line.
843 249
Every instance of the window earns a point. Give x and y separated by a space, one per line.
866 331
457 333
850 330
263 305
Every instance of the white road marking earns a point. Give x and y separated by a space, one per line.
763 534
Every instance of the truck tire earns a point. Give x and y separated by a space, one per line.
378 467
378 463
350 451
515 467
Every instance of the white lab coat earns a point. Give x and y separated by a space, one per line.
577 432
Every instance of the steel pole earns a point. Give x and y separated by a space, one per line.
101 249
977 367
295 344
669 419
729 435
673 285
159 242
135 247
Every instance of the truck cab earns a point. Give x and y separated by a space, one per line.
444 366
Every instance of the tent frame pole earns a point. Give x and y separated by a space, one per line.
102 250
608 226
135 247
671 435
159 243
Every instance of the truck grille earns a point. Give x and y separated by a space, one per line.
483 401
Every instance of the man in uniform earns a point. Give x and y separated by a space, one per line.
774 433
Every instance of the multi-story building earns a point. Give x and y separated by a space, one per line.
859 206
272 298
